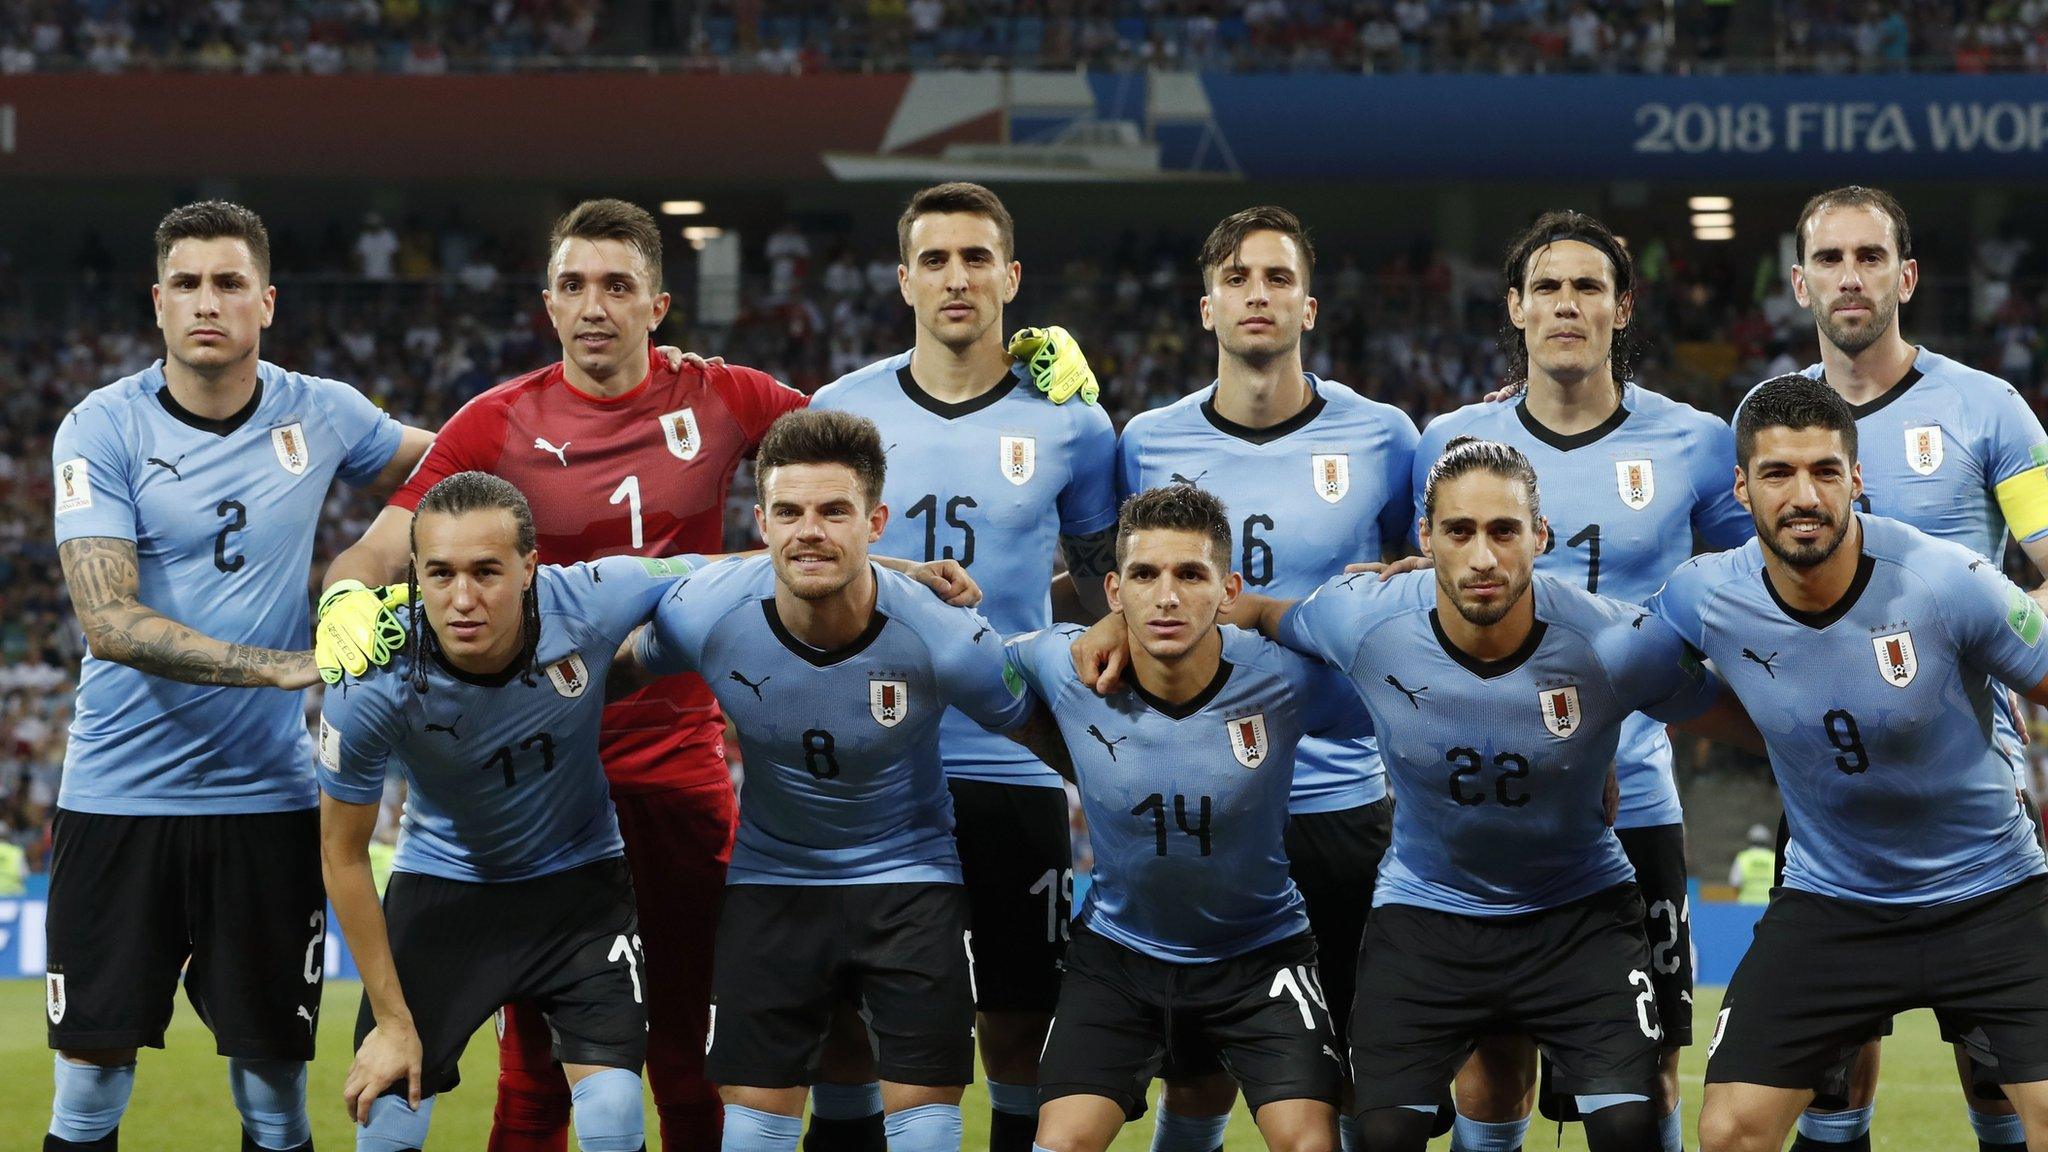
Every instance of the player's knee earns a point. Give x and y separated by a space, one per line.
394 1126
271 1096
925 1128
89 1099
530 1104
1619 1123
608 1113
1010 1043
1726 1129
1201 1095
1395 1129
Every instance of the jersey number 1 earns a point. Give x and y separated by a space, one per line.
629 491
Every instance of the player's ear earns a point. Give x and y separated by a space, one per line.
270 303
661 303
532 567
1516 314
1013 280
1208 321
1909 279
1542 534
1233 587
903 283
878 519
1422 535
1624 307
1112 587
1799 291
760 523
1742 487
1308 315
1856 481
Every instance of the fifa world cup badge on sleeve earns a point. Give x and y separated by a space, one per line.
2023 616
74 485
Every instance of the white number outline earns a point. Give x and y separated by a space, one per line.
629 491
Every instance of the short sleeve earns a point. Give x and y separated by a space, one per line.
619 593
354 748
976 671
1328 623
757 400
1997 627
1680 603
2016 464
1653 670
681 621
1088 503
1330 705
1127 479
1044 659
1710 460
91 471
469 442
369 435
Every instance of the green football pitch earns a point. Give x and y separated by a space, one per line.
181 1099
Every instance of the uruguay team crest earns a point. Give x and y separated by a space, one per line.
1895 658
290 443
679 428
569 676
1019 458
888 701
1637 483
1923 448
54 999
1332 475
1560 710
1248 739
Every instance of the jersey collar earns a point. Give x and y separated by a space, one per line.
951 411
1559 440
1193 704
221 427
1890 394
1489 669
823 657
1287 427
1817 621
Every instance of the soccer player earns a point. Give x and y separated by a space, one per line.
1192 930
1954 452
845 882
1505 902
186 834
1870 655
1315 475
985 472
511 883
1629 478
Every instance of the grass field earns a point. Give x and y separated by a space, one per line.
181 1100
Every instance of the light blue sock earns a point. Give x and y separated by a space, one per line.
1591 1104
1016 1099
747 1130
1836 1127
271 1096
1993 1129
1173 1132
89 1100
394 1126
1468 1135
608 1114
1347 1134
1671 1129
845 1101
925 1128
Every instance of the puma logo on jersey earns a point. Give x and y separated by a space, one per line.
170 466
1349 579
984 630
752 685
307 1014
449 727
1637 623
561 453
1180 479
1106 741
1413 695
1763 662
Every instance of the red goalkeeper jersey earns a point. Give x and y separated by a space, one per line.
643 474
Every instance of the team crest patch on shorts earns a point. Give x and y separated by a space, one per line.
1923 449
888 701
1019 458
1332 475
1636 481
679 429
569 676
1720 1026
290 444
1248 739
1560 710
74 485
1895 658
54 999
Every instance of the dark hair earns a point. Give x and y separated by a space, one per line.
472 492
1471 454
1551 228
957 196
1175 507
1229 235
818 436
1793 401
612 220
1855 196
214 220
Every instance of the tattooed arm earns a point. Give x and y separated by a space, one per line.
1079 599
1040 734
104 581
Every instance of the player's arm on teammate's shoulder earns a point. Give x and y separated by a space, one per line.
946 578
391 1052
412 445
1726 721
105 584
1040 734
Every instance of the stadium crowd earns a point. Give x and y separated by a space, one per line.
421 318
431 37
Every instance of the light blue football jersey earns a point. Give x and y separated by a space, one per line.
1499 768
1878 712
843 779
222 514
992 483
1624 500
1187 804
502 772
1306 497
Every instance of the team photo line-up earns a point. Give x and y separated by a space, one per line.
1301 661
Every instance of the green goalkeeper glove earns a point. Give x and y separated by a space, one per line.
357 628
1056 364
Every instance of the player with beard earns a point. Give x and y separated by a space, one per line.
1954 452
1913 878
